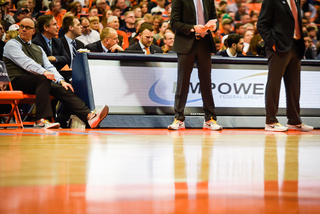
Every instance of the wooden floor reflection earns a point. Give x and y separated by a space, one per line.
159 171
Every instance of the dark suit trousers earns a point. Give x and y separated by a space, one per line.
286 65
200 53
42 88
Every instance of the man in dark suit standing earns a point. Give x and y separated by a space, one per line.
193 21
107 44
72 28
280 26
147 32
52 46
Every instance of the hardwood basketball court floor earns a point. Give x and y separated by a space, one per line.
159 171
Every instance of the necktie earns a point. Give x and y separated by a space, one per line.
200 13
147 50
74 49
50 46
295 16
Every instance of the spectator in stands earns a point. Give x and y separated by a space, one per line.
255 41
10 34
217 42
129 26
312 31
31 5
248 26
51 45
101 5
108 42
55 10
234 7
7 16
226 26
308 54
135 37
94 23
104 19
235 46
21 14
75 8
157 21
116 12
34 74
239 28
247 38
93 11
168 40
167 12
307 7
73 29
242 10
122 5
148 18
144 8
159 7
245 19
254 15
145 43
160 35
113 22
222 7
88 35
137 11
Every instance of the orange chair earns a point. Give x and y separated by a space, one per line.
21 98
10 97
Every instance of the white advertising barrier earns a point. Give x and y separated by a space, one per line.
154 85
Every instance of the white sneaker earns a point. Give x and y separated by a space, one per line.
96 117
300 127
45 124
176 125
212 124
275 127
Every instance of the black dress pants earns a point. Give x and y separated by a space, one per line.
201 54
286 65
42 88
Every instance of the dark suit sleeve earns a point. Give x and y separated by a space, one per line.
134 47
265 21
176 17
63 58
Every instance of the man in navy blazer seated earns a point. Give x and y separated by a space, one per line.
147 32
235 46
52 46
108 42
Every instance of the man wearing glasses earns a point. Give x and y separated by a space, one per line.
31 72
129 26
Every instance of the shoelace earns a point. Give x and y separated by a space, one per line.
213 121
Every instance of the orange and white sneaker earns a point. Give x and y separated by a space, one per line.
176 125
275 127
97 116
45 124
300 127
212 124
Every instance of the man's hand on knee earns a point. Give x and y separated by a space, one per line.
66 85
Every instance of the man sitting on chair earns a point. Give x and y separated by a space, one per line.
108 43
147 32
52 46
31 72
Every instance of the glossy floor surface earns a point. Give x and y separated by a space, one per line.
158 171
